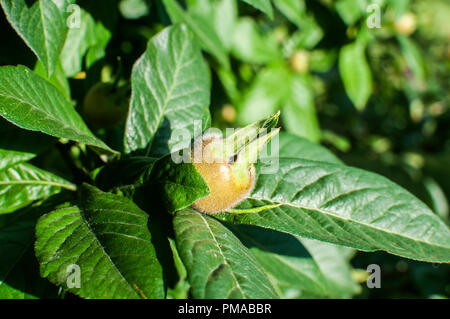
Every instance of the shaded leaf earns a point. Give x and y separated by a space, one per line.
218 265
19 275
108 238
19 268
126 172
17 145
262 5
291 267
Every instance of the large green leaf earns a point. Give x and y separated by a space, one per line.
356 74
31 102
107 236
218 264
346 206
170 84
202 28
17 145
42 27
23 183
262 5
292 268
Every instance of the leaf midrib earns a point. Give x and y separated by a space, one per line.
222 254
28 182
168 95
113 264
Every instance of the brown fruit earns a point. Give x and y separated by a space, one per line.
228 187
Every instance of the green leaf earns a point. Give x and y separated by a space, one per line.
333 262
218 264
413 58
251 46
262 5
179 185
219 15
58 78
292 268
170 84
42 27
17 145
203 30
107 236
299 113
91 36
346 206
356 74
23 183
32 103
351 10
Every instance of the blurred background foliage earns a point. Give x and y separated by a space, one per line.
369 79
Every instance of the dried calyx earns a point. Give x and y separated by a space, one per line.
227 164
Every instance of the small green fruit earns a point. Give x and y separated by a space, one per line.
105 106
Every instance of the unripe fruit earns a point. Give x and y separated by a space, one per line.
105 106
227 186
